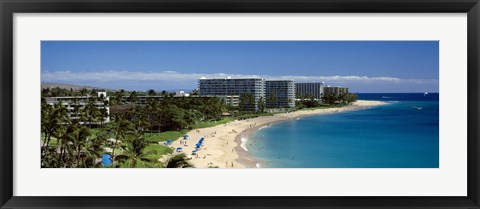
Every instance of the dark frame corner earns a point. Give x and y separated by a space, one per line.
9 7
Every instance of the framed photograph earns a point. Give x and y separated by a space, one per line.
240 104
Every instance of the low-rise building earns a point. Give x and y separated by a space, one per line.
75 103
232 100
181 94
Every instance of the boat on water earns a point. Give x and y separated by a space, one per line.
418 108
425 94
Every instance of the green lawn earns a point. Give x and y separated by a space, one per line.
53 142
160 149
253 115
164 136
212 123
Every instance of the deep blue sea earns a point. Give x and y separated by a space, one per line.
402 134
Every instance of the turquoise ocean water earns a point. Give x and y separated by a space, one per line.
402 134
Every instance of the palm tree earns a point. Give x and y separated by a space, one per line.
79 142
351 98
173 117
76 110
121 129
272 99
46 109
118 95
133 97
83 92
164 93
261 105
150 112
66 138
91 111
93 93
178 161
53 122
94 149
45 92
140 118
134 154
53 118
158 112
102 112
247 101
329 98
151 92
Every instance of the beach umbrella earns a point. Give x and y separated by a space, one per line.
106 159
179 149
198 145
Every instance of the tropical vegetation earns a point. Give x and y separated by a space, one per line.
328 100
77 134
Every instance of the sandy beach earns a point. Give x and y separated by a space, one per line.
222 146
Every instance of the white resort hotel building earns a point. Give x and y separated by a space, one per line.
80 102
337 90
231 89
315 90
281 93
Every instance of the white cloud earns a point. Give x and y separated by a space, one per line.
174 76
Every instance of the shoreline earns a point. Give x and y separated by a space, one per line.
246 158
222 143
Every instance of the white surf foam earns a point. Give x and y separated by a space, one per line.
263 127
244 143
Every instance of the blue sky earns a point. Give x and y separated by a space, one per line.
363 66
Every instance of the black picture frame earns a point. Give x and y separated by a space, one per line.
9 7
